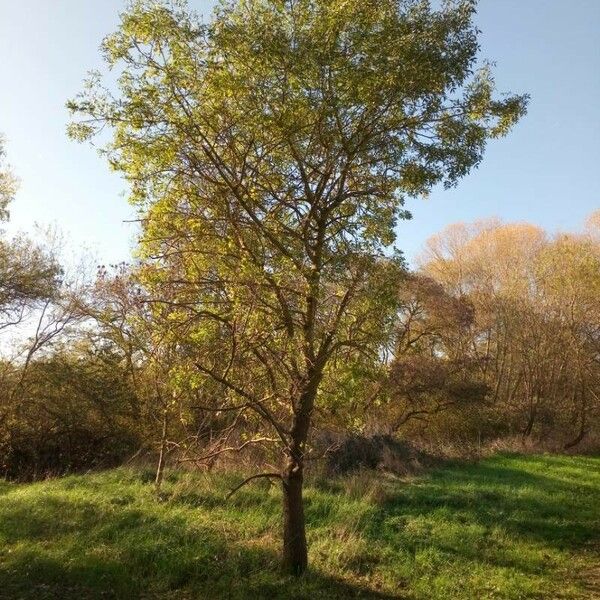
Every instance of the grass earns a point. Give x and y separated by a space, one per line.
508 527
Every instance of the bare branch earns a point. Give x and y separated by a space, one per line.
249 479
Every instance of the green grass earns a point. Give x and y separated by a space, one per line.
508 527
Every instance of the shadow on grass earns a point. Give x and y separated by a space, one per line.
45 578
114 541
91 552
465 511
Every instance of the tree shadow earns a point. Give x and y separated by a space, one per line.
45 578
551 510
99 553
127 547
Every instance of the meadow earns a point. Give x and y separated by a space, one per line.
509 526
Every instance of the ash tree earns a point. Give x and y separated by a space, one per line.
270 152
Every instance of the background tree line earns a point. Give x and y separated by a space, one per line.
496 336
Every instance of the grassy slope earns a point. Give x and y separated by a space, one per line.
509 527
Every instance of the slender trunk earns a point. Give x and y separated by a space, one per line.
295 551
582 427
533 405
160 468
582 433
529 427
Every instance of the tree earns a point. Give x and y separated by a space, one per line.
35 300
28 273
137 329
270 153
535 330
73 414
569 275
8 184
432 368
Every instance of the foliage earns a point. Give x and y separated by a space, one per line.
32 295
537 310
8 184
430 367
75 411
29 273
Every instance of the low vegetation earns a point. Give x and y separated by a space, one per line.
507 527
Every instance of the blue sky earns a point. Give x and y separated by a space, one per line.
546 172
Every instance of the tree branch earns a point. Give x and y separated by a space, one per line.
249 479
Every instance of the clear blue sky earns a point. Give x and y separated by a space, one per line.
546 172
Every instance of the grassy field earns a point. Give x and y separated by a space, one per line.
508 527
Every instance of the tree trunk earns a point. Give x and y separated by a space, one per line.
533 405
160 468
582 428
295 552
529 427
575 442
